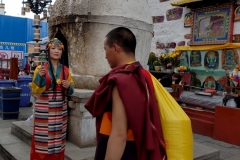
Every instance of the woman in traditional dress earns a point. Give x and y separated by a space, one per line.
52 81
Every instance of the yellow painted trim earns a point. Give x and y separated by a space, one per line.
208 47
182 2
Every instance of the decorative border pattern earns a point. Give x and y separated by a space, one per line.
226 24
174 14
12 44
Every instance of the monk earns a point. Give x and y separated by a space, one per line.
127 117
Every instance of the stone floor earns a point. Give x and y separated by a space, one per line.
227 151
24 114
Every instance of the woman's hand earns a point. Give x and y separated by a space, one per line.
42 72
65 84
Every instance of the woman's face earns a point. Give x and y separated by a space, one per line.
55 51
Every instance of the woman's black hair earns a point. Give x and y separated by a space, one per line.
54 83
53 76
63 75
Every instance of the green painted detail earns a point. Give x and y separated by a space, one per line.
209 72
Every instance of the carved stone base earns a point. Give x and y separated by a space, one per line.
81 125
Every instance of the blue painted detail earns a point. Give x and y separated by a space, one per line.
19 30
23 83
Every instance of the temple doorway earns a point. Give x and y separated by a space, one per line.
61 37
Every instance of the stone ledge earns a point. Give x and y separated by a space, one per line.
81 95
24 132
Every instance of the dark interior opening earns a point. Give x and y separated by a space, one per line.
61 37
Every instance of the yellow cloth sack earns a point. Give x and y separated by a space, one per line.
177 130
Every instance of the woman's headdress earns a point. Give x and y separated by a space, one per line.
54 41
48 46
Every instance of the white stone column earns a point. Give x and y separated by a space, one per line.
81 124
85 23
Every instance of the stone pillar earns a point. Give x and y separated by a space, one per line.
81 125
85 23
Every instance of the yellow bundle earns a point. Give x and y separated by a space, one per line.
177 130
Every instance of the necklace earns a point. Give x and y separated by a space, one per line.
58 80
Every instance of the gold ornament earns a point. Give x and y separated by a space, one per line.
58 81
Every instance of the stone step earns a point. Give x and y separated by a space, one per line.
23 130
11 147
18 138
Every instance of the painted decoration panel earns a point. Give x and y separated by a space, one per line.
229 59
210 82
236 38
158 19
184 59
237 14
181 43
213 25
195 59
171 45
174 14
188 36
222 82
211 60
160 45
188 20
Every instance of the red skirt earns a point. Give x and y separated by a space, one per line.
39 156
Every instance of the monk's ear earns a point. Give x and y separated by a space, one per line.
117 48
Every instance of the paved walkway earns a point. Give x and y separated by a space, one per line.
24 114
227 151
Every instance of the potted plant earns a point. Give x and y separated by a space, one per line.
174 58
157 65
163 61
151 59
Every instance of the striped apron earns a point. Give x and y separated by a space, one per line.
50 124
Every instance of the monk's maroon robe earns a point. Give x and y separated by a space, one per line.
137 94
